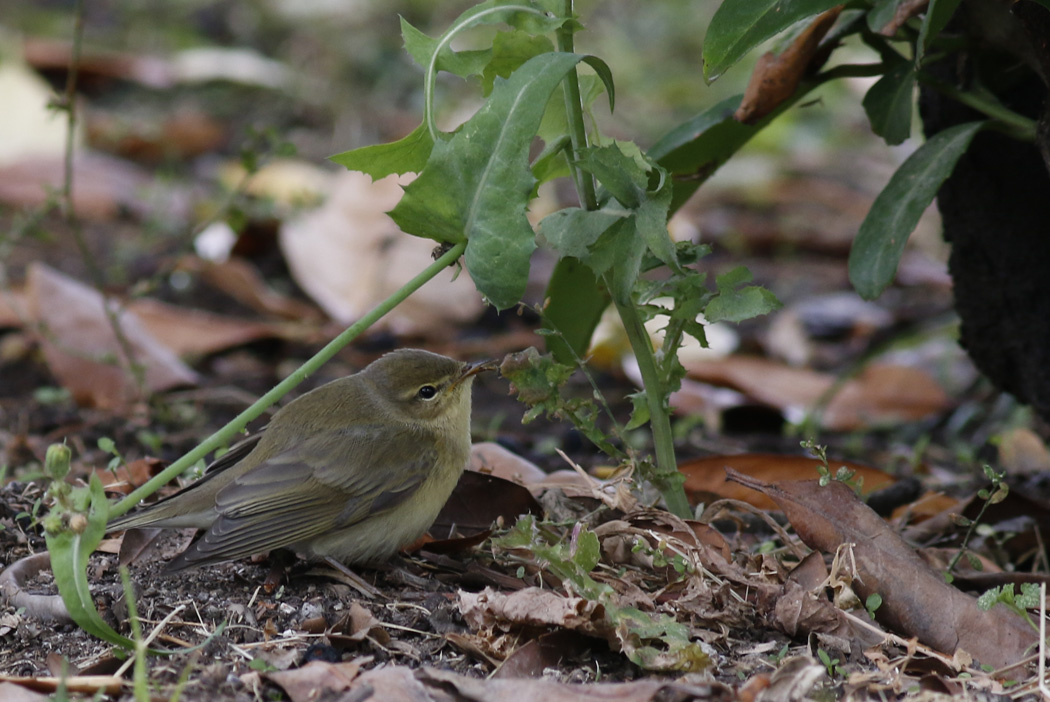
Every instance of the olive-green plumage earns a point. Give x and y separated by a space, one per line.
353 470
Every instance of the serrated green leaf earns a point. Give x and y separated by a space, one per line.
509 51
738 26
738 305
880 242
625 178
407 155
618 255
890 101
461 63
476 186
572 231
639 411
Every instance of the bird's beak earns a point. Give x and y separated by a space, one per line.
472 369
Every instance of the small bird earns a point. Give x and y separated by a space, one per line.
349 472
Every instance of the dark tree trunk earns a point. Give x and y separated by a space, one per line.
996 204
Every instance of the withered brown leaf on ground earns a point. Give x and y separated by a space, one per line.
80 344
705 477
401 684
880 394
776 78
916 601
546 651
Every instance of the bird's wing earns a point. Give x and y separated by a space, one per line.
330 480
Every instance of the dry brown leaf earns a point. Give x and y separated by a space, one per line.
532 607
916 601
349 255
706 478
776 78
547 651
317 680
184 135
241 280
78 339
1022 451
104 186
479 500
191 332
94 64
126 477
880 394
492 459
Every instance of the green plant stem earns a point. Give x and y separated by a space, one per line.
224 435
667 478
574 110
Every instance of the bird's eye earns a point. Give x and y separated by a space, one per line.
427 392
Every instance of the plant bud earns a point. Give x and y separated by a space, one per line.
78 523
56 461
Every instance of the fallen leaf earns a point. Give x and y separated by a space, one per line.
94 65
349 255
547 651
79 342
316 680
492 459
191 332
478 501
241 280
128 476
104 186
878 395
31 129
532 607
916 601
705 478
184 135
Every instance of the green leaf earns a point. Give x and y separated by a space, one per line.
572 231
509 51
625 177
935 20
588 551
880 242
889 103
407 155
694 150
476 185
882 14
736 305
461 63
69 561
574 304
740 25
639 411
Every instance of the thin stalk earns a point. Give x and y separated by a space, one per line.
666 478
574 110
224 435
